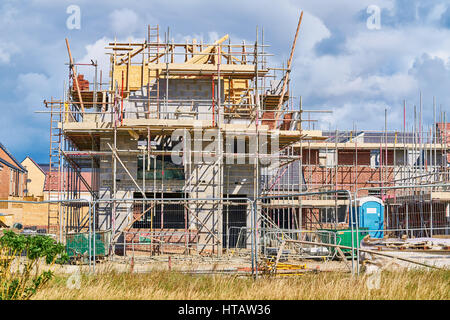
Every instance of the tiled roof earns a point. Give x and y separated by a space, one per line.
16 164
44 166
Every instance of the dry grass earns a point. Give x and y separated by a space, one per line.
172 285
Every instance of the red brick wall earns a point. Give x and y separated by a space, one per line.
82 83
310 156
347 176
5 177
287 119
170 243
349 157
6 157
347 173
4 182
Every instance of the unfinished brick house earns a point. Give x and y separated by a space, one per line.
369 164
195 146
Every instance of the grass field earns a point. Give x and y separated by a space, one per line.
172 285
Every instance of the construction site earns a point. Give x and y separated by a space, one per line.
201 151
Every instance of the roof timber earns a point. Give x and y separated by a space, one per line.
201 58
236 70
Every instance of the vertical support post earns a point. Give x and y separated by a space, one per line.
212 97
74 73
95 86
407 220
431 215
113 209
121 102
352 214
90 236
253 249
94 205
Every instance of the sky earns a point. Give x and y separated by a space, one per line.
348 58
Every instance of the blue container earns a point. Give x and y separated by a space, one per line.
370 215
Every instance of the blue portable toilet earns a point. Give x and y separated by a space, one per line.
371 215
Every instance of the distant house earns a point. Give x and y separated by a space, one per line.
36 178
70 181
13 176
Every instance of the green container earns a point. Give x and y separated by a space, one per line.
342 237
145 240
77 244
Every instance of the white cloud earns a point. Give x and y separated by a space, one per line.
96 53
208 38
6 51
437 12
367 115
213 36
373 70
124 22
4 56
312 31
33 88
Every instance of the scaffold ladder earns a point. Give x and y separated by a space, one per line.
54 171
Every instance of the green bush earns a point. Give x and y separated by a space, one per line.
20 259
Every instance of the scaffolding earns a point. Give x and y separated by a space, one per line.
192 145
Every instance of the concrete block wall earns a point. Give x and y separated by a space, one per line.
205 177
239 179
190 91
236 180
205 185
125 187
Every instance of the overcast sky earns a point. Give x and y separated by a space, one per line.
342 63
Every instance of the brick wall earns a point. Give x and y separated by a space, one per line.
4 181
83 83
5 177
167 241
347 172
364 176
310 156
349 157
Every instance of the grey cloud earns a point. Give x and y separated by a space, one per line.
433 76
338 63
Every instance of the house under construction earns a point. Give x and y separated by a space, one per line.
197 143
